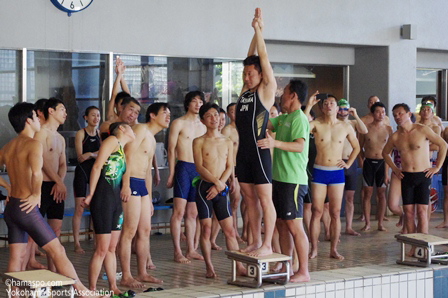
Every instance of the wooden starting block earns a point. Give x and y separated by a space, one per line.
426 243
258 269
37 283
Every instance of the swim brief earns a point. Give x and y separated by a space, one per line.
138 187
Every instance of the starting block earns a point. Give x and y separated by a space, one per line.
37 283
425 249
258 269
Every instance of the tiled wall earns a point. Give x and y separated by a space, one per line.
380 281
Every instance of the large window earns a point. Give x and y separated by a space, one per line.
81 80
167 79
78 79
9 90
429 83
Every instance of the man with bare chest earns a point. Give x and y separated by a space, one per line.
213 157
54 168
24 157
183 131
435 120
369 117
412 142
375 171
136 194
328 172
351 174
253 166
131 109
427 118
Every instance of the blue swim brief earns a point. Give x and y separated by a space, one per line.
328 175
138 187
184 173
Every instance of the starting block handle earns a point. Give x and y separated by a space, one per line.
259 276
233 270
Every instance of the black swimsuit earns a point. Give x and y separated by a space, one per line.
82 172
253 165
105 206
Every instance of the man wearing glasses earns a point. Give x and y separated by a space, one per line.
351 173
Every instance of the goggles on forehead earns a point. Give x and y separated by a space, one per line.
428 104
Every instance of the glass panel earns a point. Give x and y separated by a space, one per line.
326 79
78 79
9 91
427 84
167 79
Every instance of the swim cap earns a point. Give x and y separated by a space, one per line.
428 104
343 103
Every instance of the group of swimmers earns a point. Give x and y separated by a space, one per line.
314 165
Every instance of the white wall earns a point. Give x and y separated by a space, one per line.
302 31
216 28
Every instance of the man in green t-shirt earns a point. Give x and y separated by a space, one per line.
290 180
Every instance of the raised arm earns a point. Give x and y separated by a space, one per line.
124 85
359 124
172 144
120 68
312 101
268 85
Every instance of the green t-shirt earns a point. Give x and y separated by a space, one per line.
290 167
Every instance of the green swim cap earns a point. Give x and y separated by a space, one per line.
428 104
343 103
